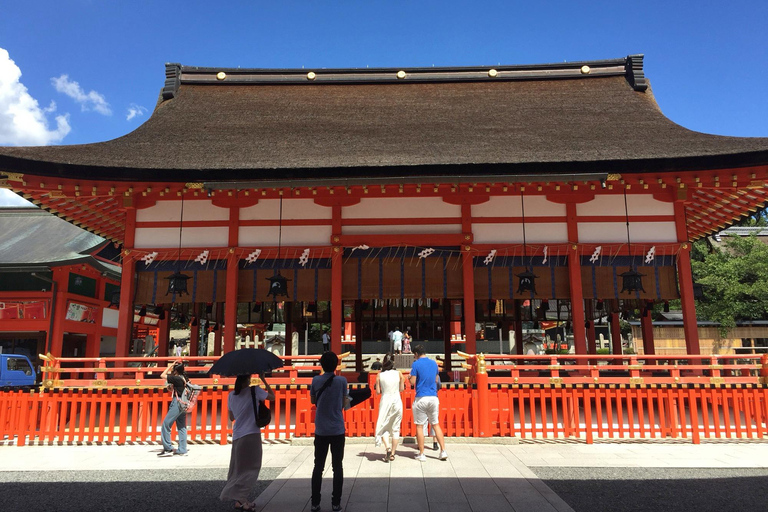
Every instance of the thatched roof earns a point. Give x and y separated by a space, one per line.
280 124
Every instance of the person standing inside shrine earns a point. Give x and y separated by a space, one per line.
425 378
326 341
397 341
177 380
330 394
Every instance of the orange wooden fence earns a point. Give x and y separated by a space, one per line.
730 405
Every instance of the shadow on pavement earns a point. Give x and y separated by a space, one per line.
175 490
650 489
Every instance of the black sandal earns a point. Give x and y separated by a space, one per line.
388 456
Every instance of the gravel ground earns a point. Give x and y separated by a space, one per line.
179 490
651 489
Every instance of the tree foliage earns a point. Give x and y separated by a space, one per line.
734 280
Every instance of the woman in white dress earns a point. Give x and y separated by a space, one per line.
389 384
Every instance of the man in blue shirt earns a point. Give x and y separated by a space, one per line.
426 407
330 393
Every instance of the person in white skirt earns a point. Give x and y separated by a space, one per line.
389 384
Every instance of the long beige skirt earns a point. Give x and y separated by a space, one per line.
244 468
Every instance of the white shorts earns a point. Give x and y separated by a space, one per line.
398 345
426 409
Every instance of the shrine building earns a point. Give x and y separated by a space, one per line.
461 203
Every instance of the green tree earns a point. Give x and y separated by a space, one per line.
734 279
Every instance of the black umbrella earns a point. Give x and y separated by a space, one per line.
246 361
359 395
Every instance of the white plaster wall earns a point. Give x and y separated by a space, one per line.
406 229
292 209
201 209
260 236
400 207
109 318
511 206
548 232
616 232
164 238
614 205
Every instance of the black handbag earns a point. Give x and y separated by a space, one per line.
262 414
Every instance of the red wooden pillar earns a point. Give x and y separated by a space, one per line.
194 336
163 335
230 310
358 333
518 323
217 334
685 282
337 305
646 326
574 278
288 328
468 274
589 323
56 343
127 287
616 331
577 301
447 334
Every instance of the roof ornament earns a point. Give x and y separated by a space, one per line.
172 80
635 73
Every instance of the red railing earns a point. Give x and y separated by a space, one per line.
701 399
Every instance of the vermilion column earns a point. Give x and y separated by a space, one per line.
685 282
230 310
194 336
646 326
468 274
337 305
163 335
219 328
127 287
56 342
519 349
574 279
616 331
589 323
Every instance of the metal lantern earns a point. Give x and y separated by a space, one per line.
177 284
527 282
114 299
278 286
632 281
256 307
143 311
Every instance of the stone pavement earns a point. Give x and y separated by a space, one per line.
476 477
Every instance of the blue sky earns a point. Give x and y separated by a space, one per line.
80 71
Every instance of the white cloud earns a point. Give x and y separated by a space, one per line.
88 100
135 111
22 121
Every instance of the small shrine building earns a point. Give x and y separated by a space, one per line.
454 201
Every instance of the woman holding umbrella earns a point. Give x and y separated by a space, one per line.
245 461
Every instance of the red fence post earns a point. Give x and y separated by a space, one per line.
483 427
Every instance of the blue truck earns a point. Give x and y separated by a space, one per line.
16 371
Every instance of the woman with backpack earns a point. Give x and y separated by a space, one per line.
245 461
177 382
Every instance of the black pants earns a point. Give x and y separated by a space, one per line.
336 443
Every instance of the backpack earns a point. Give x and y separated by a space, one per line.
188 399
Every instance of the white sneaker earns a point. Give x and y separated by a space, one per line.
421 457
443 455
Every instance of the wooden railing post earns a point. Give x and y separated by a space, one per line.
483 427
